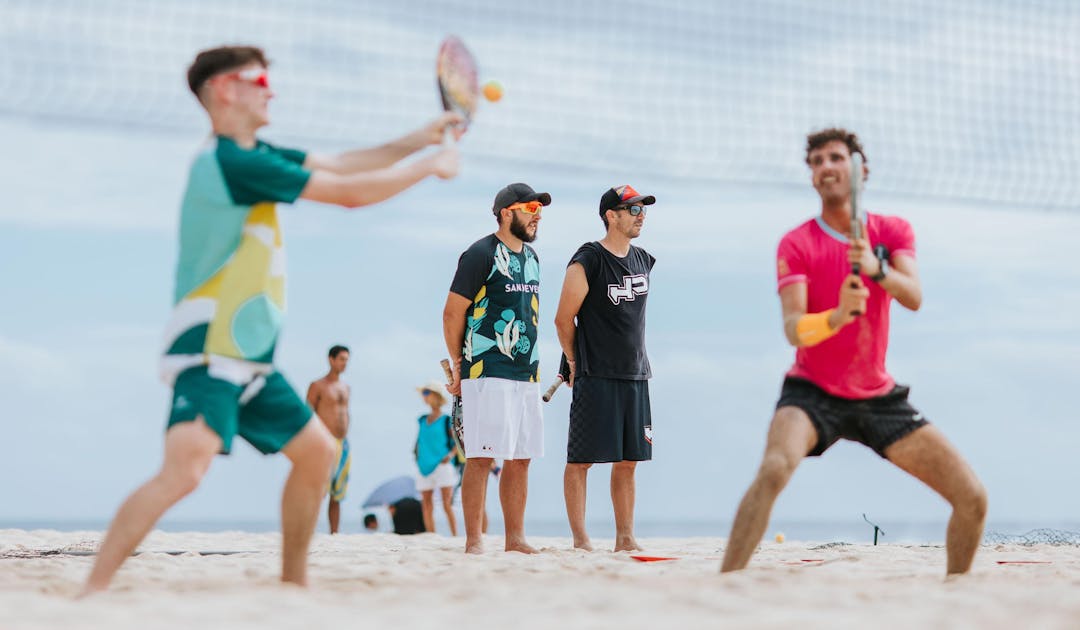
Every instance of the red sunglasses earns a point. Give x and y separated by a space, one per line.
255 76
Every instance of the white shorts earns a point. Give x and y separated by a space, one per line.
444 476
501 418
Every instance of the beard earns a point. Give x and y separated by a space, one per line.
519 230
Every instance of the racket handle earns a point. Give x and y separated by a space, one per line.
445 363
551 390
856 268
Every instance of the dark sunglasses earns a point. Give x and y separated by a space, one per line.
634 210
425 392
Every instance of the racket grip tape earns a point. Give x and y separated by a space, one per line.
551 390
856 269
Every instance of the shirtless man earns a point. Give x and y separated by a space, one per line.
329 397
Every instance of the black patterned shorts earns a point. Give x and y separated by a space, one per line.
876 422
610 421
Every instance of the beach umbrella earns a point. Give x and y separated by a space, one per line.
391 491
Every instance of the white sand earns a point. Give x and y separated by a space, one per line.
386 581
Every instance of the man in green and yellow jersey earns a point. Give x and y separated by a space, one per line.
229 301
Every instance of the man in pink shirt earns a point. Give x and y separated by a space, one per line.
838 387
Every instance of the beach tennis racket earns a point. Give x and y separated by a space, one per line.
455 409
459 88
855 180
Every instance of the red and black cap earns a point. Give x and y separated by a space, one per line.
623 196
518 193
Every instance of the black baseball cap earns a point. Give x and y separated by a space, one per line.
518 193
623 196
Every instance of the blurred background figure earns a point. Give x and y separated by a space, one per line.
329 398
408 517
435 453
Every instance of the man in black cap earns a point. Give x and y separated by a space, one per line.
490 324
601 325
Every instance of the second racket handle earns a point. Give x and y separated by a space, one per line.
551 390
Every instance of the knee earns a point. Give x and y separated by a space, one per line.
328 450
624 467
581 468
322 454
775 471
975 502
181 481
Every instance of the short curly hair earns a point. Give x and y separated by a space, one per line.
820 138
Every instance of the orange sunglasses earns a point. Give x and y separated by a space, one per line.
528 207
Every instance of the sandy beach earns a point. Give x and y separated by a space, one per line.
383 580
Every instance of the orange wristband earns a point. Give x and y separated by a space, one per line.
813 328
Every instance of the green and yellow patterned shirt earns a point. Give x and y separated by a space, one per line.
230 277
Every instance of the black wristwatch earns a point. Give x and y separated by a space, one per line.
882 254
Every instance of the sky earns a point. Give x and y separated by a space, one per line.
88 245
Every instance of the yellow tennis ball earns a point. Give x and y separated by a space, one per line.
780 537
493 91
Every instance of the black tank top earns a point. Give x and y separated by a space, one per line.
611 322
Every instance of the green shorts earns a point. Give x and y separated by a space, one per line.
266 412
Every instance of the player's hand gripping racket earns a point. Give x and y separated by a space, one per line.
455 408
855 180
455 70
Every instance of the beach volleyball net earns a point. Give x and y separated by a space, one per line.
970 99
85 547
1043 536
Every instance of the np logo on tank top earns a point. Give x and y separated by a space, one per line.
631 287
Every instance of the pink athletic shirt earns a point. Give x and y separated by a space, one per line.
851 363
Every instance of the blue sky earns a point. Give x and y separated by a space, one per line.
708 113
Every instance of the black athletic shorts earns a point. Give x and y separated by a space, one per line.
875 422
610 421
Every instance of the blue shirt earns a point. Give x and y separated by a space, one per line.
433 443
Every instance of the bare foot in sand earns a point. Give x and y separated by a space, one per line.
520 546
627 543
475 547
88 591
583 544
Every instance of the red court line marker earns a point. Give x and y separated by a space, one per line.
652 558
1024 562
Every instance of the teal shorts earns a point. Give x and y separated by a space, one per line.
266 412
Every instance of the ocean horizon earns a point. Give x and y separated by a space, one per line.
852 531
